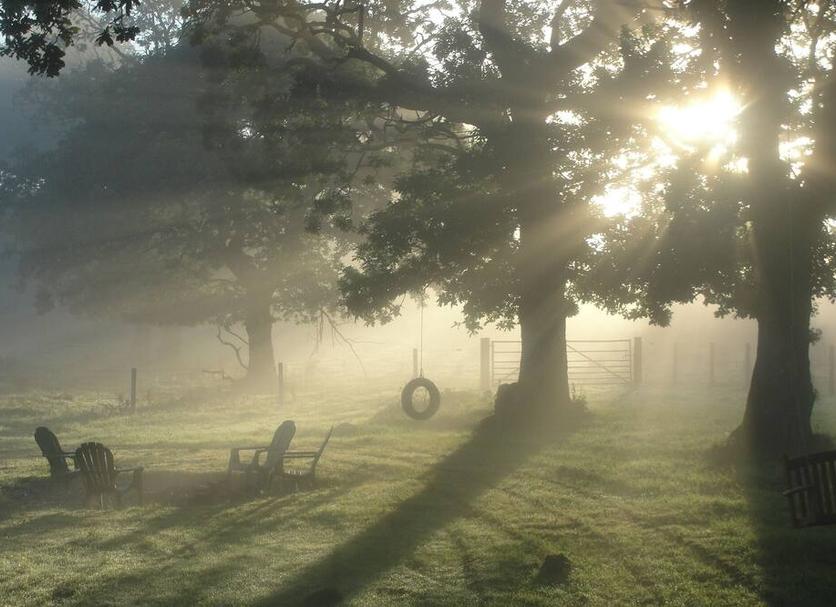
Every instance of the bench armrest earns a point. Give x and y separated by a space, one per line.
802 489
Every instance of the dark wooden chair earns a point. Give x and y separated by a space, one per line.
54 454
811 488
100 475
304 477
260 476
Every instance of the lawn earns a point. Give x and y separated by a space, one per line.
408 513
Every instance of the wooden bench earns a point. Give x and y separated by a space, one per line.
100 474
54 454
260 476
304 477
811 488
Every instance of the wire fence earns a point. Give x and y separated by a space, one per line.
617 362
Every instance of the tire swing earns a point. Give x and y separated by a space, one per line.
409 390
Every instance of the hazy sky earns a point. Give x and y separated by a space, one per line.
14 130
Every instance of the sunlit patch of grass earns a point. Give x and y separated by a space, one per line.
408 513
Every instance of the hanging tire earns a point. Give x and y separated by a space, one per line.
409 392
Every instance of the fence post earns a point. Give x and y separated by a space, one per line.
414 363
711 363
637 360
485 364
133 389
280 380
675 361
832 374
747 364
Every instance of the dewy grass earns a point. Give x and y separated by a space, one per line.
408 513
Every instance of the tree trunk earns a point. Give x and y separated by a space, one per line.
777 416
548 238
543 378
776 421
261 371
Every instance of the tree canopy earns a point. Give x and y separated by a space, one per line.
185 191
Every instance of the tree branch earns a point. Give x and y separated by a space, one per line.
494 29
609 17
554 39
336 331
236 349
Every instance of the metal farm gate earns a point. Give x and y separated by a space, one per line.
591 362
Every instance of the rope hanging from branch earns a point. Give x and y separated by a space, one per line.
420 382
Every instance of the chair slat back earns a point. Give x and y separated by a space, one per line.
97 468
51 450
280 443
322 447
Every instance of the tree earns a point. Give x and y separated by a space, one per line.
753 234
491 70
507 71
788 212
156 212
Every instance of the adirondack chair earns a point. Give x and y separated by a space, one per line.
811 489
95 461
54 454
260 476
304 477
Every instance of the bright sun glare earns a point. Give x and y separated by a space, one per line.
708 123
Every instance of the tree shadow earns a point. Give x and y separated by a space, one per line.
797 565
34 493
451 486
222 529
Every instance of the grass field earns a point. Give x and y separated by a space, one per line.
408 513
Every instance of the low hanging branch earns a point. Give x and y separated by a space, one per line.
335 332
235 348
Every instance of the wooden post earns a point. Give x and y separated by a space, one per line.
675 361
280 379
485 364
747 364
711 363
133 389
637 360
414 363
832 374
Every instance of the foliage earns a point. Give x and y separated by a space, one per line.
179 188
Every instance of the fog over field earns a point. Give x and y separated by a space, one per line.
374 303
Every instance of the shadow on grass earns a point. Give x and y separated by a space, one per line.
797 564
224 539
450 488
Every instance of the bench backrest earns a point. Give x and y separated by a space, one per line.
51 450
816 506
280 443
97 467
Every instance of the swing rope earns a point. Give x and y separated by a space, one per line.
421 338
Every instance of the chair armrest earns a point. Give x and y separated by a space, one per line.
298 454
261 448
134 469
